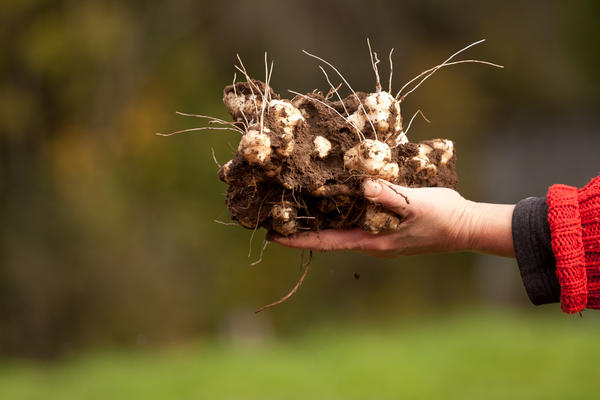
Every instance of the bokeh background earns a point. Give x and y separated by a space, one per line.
115 281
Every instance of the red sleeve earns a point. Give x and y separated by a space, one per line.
574 218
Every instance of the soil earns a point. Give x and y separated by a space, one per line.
291 182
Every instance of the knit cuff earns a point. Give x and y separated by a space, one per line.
589 210
567 245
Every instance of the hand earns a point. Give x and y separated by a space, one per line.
433 220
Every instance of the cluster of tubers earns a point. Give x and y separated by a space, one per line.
300 163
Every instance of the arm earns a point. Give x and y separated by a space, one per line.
434 220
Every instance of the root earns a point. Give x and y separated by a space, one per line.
335 90
236 95
359 133
391 71
249 81
431 71
213 120
374 65
204 128
332 90
255 227
215 157
262 250
413 117
226 223
326 105
267 93
362 107
404 133
294 289
389 185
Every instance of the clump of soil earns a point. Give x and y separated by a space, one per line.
301 162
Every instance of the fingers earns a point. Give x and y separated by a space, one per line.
326 240
391 196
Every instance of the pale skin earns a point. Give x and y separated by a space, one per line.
435 220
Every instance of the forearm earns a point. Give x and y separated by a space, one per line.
489 228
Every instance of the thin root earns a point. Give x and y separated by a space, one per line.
265 243
374 65
404 133
360 135
431 71
362 107
215 157
389 185
197 129
294 289
333 90
391 71
249 81
326 105
236 95
255 227
226 223
212 120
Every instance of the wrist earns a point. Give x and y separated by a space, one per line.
488 228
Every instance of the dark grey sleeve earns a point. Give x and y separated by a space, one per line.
533 249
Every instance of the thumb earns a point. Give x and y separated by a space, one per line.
392 197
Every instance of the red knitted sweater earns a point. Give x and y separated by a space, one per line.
574 218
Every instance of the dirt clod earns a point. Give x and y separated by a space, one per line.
301 162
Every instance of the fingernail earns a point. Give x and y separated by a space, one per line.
372 188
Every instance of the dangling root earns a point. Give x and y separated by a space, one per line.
294 289
262 251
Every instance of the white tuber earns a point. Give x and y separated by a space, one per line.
255 147
284 219
285 112
288 117
379 107
322 147
240 104
377 220
224 172
447 147
371 157
423 159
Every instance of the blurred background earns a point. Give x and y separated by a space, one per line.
116 282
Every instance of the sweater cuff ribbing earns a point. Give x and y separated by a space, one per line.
567 245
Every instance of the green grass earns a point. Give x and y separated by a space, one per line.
475 356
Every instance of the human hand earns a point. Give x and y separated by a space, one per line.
433 220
